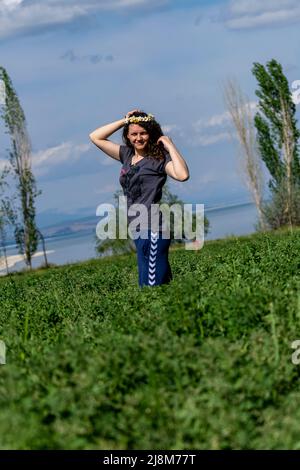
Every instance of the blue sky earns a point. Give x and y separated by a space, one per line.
79 65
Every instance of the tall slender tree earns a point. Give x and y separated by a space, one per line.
3 219
277 137
23 217
240 112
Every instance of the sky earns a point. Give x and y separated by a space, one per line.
79 65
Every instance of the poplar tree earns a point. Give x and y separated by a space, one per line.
3 220
239 109
23 217
277 139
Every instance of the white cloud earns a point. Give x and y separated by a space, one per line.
213 121
205 140
169 128
130 3
173 130
9 5
25 17
242 7
215 129
247 14
44 159
220 119
18 15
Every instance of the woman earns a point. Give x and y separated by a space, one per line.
147 158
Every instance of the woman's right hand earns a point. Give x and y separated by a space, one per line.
131 112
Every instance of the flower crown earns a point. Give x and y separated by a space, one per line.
135 119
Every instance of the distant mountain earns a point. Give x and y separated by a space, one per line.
84 225
73 223
226 206
66 227
51 217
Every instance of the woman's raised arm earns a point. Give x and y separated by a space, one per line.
99 137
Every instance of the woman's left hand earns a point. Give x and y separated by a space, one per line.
166 141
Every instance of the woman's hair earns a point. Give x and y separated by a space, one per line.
154 130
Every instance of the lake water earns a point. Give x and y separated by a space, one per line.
235 220
232 220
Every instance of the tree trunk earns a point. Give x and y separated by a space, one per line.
44 248
288 146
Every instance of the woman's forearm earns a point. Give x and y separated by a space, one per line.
104 132
179 164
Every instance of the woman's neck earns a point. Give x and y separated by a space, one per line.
140 153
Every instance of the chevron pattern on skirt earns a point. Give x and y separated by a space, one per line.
152 255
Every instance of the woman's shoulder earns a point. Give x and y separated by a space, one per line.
160 163
125 153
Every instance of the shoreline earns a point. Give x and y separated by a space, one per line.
12 260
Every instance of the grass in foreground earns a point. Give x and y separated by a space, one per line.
95 362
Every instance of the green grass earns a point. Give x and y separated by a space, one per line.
95 362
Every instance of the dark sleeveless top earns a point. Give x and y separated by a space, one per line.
142 183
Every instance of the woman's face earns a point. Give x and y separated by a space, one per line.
138 136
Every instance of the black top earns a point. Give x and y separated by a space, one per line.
142 183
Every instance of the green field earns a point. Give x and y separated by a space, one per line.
95 362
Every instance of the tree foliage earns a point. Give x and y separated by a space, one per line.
21 217
277 138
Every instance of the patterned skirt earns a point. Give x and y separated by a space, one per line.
152 256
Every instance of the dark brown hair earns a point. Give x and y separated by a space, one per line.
155 132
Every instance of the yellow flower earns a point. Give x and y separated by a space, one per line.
136 119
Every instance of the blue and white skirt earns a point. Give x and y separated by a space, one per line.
152 255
